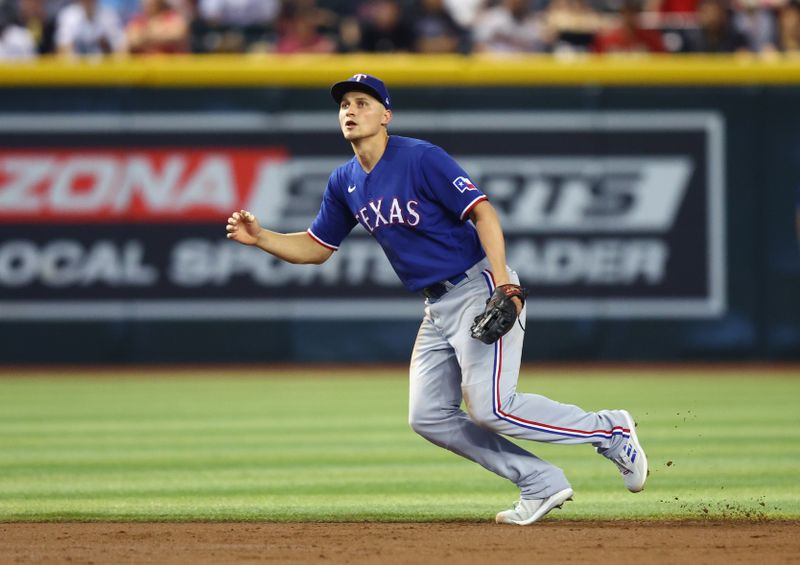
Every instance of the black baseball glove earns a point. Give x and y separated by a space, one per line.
500 314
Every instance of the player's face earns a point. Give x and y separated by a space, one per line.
362 116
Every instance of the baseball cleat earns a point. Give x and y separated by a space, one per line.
528 511
631 460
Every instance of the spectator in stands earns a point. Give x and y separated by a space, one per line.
571 25
385 29
510 27
16 42
435 30
125 9
341 8
629 36
325 14
465 12
88 28
298 31
240 13
53 7
33 16
756 23
789 29
340 20
716 32
673 7
336 19
159 28
233 26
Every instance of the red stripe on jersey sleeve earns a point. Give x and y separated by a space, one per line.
472 205
322 243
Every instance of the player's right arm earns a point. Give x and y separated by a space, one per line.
297 248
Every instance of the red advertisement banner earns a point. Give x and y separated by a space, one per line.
131 185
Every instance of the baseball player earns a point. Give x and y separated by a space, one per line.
444 240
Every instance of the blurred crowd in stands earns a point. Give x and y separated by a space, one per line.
96 27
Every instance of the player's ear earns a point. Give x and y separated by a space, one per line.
387 117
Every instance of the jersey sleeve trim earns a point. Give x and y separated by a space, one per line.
472 205
321 242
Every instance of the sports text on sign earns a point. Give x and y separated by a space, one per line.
131 185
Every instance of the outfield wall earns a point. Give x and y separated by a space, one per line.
651 206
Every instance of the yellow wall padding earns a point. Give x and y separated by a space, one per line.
403 70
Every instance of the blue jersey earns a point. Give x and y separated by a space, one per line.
415 203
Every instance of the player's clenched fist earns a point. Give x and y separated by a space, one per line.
243 227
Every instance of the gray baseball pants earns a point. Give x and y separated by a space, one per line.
448 365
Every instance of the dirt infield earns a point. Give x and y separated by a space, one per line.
367 543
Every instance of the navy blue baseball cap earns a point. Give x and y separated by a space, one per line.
362 83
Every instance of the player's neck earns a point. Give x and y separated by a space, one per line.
369 150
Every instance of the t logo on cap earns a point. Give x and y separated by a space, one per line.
359 77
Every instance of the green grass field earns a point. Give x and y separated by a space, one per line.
298 446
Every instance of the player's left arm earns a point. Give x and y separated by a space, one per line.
490 233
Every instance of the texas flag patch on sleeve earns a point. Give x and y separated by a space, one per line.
463 184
